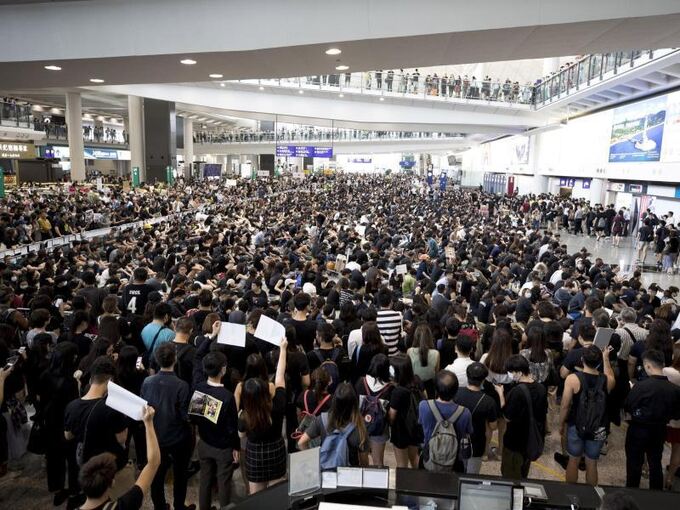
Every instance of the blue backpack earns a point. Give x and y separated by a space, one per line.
334 449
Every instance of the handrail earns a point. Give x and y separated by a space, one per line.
15 115
590 69
336 135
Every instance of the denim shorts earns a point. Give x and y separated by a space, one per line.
577 447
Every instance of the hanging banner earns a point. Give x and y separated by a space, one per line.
135 177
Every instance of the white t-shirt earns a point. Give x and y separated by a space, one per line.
459 367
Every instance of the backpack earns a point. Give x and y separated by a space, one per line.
334 449
602 222
591 410
372 410
441 451
535 440
330 365
411 425
308 418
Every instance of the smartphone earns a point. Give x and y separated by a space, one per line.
11 361
139 363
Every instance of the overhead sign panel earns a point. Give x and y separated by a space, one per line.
304 151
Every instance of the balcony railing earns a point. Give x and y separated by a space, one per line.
318 135
432 88
592 69
15 115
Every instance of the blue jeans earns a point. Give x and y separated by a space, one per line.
577 447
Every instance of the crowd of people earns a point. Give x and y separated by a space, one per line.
91 133
403 306
310 133
413 82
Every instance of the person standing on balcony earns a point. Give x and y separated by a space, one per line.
378 79
389 80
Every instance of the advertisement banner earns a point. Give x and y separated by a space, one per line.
637 131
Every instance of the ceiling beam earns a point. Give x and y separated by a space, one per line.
638 84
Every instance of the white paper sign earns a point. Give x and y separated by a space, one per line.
232 334
263 173
376 478
230 183
361 230
350 477
401 269
125 402
329 480
270 331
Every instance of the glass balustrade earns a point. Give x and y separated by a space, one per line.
316 135
15 115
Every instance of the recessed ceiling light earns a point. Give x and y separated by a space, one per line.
382 98
301 91
216 75
188 62
341 67
341 95
222 85
96 80
261 87
333 51
53 68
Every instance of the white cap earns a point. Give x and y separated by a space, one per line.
309 288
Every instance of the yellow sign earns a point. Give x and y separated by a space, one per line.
17 150
10 180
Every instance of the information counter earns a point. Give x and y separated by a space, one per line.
415 489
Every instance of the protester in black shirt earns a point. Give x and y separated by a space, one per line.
516 463
305 328
184 366
484 413
218 446
136 294
406 433
169 395
651 403
97 476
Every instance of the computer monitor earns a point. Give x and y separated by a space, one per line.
477 494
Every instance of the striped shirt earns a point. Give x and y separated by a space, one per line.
627 342
390 324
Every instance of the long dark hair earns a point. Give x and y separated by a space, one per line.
257 405
659 338
500 351
256 367
536 343
423 341
63 359
345 410
320 381
403 371
126 364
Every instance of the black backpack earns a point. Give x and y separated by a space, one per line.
592 409
411 425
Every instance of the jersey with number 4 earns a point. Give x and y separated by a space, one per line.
135 297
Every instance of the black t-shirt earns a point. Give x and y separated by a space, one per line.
297 366
103 425
131 500
573 359
483 409
305 333
224 433
516 411
447 351
646 233
273 432
135 297
314 362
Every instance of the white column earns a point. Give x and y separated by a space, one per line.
188 146
74 122
136 135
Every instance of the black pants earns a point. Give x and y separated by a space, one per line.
178 455
641 441
56 455
578 226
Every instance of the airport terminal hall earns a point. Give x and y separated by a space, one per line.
339 255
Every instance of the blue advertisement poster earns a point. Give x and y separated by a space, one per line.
637 131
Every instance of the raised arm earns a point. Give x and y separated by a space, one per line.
280 379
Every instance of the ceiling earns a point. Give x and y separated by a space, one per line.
388 53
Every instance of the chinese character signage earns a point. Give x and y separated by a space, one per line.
304 151
16 150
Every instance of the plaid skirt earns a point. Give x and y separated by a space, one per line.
266 461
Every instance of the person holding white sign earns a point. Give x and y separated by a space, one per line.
97 476
261 422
